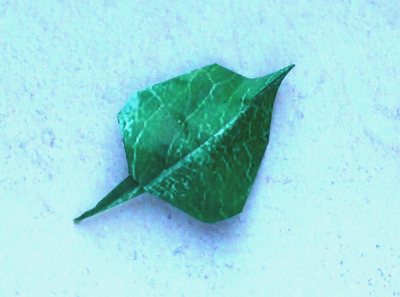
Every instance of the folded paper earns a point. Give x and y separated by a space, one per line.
196 141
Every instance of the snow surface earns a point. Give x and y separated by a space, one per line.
323 216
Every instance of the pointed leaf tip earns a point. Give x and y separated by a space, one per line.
124 191
286 69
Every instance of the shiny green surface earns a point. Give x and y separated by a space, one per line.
196 141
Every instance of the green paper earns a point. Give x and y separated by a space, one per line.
196 141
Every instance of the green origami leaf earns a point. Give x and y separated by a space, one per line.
196 141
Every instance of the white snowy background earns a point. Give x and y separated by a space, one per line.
323 216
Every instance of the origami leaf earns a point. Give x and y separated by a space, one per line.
196 141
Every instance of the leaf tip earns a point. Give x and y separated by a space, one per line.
78 220
84 216
287 68
281 74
